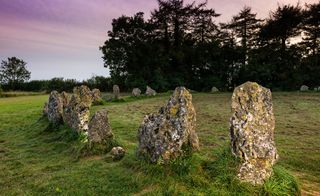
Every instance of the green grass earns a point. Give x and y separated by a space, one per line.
36 160
20 93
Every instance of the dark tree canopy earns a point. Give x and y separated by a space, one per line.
181 44
13 72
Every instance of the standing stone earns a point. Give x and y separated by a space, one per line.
65 98
76 114
214 89
170 133
83 92
45 109
150 91
96 96
136 92
116 91
99 128
55 108
252 132
304 88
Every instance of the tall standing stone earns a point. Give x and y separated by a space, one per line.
252 132
150 91
170 133
76 114
84 94
136 92
55 108
65 98
99 127
116 91
96 95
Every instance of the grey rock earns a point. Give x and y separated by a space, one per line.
99 127
65 98
84 94
76 114
117 153
214 89
136 92
166 135
304 88
55 108
252 132
116 91
96 95
150 91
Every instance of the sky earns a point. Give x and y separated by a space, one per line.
61 38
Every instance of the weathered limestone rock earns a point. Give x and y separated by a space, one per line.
150 91
45 109
116 91
136 92
214 89
96 96
252 132
65 98
304 88
76 114
55 108
171 133
117 153
99 127
83 92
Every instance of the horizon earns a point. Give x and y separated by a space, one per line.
62 39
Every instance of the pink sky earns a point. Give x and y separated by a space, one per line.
61 38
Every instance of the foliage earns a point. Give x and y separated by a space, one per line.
13 72
182 45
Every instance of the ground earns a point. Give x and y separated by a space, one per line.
35 160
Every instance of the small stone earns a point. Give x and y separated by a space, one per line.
84 94
99 127
214 89
116 91
304 88
55 108
170 133
252 132
150 91
136 92
76 114
117 153
96 96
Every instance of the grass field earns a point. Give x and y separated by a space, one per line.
38 161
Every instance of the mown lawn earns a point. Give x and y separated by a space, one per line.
35 160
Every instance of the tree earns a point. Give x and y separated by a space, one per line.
13 72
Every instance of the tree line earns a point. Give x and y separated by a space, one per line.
181 44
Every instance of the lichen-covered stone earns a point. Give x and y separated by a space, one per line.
252 132
99 127
117 153
84 94
150 91
304 88
136 92
96 95
65 98
76 114
214 89
55 108
170 133
116 91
